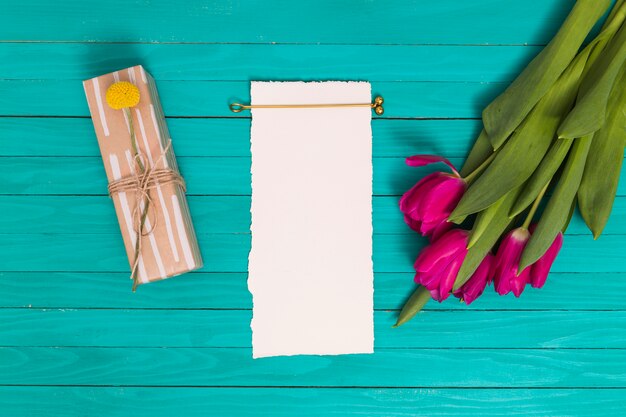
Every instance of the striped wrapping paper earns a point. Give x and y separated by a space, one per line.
172 248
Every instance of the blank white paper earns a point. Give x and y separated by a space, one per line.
310 266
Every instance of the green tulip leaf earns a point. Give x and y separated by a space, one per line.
589 114
569 216
496 218
556 213
611 18
483 221
542 175
509 109
519 157
414 304
480 152
599 183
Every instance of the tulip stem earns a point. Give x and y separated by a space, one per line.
535 206
469 178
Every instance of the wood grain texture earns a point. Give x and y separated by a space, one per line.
234 367
201 290
309 402
231 328
456 22
241 62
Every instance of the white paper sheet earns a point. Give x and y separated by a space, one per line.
310 266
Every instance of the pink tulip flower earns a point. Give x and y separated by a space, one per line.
428 204
437 266
474 287
507 276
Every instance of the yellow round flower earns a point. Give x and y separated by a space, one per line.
122 94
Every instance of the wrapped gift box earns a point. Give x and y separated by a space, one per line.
171 248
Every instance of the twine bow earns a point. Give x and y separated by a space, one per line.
140 182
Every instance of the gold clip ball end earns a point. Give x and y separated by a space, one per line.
377 105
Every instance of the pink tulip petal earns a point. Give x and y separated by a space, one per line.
449 276
432 256
511 249
518 282
429 282
439 283
504 272
538 278
413 224
435 294
477 283
541 268
430 202
417 199
411 201
439 230
412 197
502 286
442 200
423 160
507 262
437 266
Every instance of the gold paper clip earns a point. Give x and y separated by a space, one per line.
377 106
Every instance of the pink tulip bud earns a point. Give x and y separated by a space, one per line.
428 204
507 261
437 266
507 276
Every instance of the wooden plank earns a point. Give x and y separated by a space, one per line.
211 98
443 368
201 290
95 214
231 328
229 252
204 176
327 22
242 62
211 214
25 136
308 402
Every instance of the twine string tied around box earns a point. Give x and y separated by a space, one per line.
140 182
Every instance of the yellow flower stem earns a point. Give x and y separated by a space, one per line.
469 178
535 206
133 138
142 168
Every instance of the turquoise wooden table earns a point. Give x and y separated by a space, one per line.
74 340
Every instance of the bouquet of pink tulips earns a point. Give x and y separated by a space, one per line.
555 138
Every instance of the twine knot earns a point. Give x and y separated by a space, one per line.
140 182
